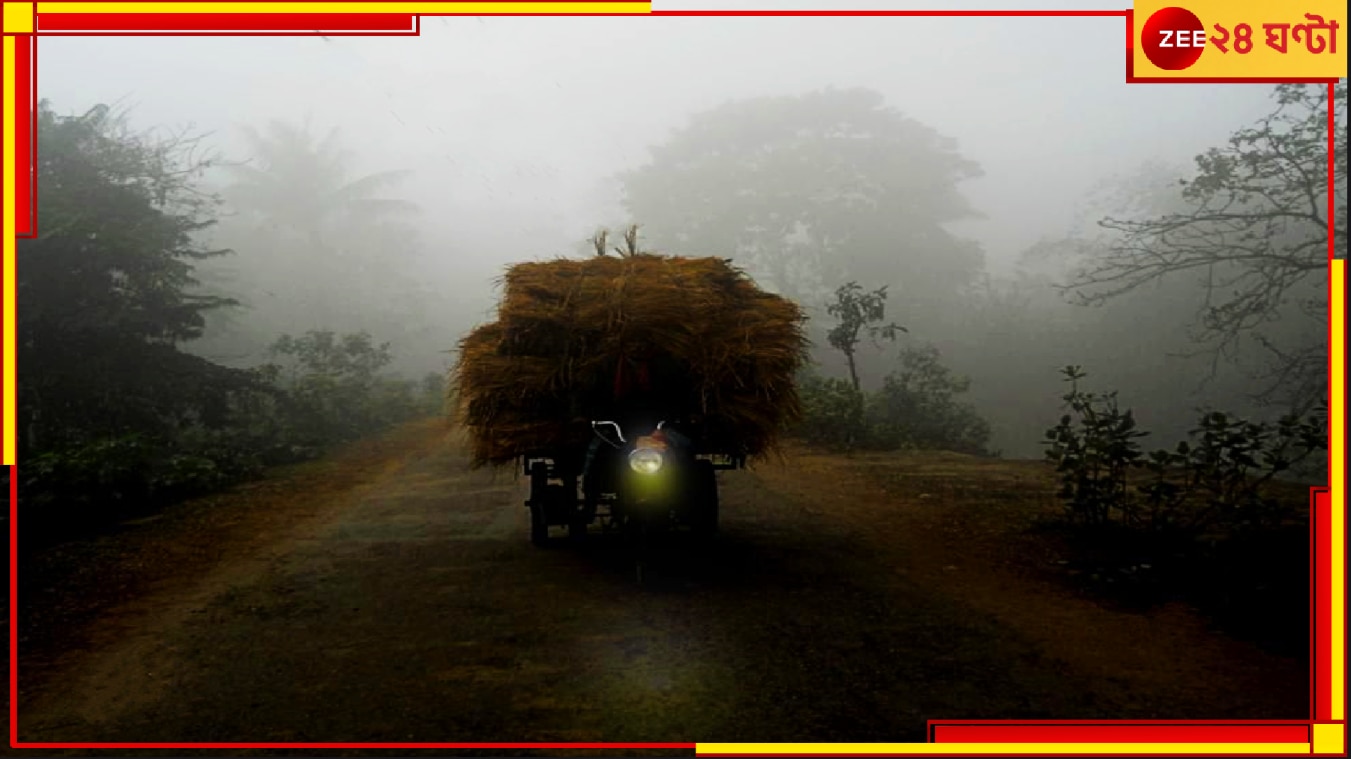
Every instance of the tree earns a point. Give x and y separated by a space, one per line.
297 194
1254 226
297 182
824 187
322 249
917 407
859 313
335 383
106 283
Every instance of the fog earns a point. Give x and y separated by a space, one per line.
515 129
504 118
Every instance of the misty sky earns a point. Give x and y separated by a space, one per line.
514 125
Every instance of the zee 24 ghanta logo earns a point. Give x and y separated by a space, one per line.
1174 38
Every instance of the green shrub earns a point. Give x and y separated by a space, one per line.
832 412
1205 521
111 478
432 393
917 408
110 472
1216 481
334 388
1219 478
1094 454
326 390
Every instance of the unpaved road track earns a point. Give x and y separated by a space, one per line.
413 608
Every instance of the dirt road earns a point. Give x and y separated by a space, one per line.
408 605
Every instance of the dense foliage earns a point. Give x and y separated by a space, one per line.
1219 480
1253 219
1208 281
809 190
916 408
113 415
1212 521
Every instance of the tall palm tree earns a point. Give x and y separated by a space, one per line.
300 211
300 183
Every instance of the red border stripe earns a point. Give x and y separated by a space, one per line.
1322 500
1320 537
1121 734
1332 175
971 13
255 22
13 599
1315 664
302 745
25 223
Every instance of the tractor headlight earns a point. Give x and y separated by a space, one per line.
646 461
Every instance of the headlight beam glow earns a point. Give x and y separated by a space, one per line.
646 461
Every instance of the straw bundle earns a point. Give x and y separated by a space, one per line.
531 381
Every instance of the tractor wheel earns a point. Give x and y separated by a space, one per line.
539 527
577 530
706 498
539 490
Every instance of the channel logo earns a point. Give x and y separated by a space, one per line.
1212 40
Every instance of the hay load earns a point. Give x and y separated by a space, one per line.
532 381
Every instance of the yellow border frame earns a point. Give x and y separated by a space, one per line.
7 221
396 6
1033 749
1328 738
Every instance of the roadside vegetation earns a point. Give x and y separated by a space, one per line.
1217 514
116 417
174 339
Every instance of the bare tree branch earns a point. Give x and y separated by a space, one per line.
1254 227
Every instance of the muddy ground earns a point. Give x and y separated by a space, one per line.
390 593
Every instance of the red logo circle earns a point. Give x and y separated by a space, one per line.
1173 38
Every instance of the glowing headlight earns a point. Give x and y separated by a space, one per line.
646 461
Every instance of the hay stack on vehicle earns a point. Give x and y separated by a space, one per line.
532 381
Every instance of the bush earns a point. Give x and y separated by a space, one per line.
1205 522
432 398
832 412
334 388
917 408
1217 481
111 471
327 390
114 477
1095 455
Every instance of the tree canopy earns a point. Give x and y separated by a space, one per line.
297 181
105 286
322 247
1253 227
811 190
115 416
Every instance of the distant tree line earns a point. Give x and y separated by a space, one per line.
150 368
1202 288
